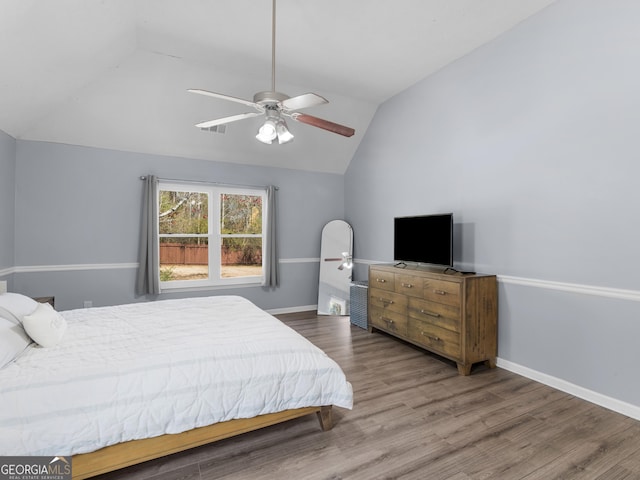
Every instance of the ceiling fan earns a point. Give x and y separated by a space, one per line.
275 106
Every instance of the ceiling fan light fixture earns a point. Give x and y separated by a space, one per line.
284 135
267 132
347 261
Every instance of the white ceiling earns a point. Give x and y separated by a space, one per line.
114 73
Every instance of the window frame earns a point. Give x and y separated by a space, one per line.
214 235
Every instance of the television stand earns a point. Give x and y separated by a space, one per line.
452 315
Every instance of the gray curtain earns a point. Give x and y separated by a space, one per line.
148 279
270 254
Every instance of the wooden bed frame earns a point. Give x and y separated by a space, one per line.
125 454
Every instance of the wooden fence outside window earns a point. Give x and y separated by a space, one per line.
175 254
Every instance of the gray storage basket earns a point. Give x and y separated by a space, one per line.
358 303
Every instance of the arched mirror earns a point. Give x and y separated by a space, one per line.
335 268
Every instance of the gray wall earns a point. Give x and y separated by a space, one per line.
77 217
532 142
7 204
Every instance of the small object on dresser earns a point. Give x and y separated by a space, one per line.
50 300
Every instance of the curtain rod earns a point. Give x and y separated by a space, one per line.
143 177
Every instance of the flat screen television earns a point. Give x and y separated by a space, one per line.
424 239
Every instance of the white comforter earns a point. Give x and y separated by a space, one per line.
142 370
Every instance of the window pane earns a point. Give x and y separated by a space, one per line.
184 259
241 257
183 212
240 214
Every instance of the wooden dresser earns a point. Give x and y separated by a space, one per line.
453 315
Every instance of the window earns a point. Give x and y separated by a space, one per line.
210 235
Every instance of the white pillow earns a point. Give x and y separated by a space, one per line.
45 326
13 341
17 305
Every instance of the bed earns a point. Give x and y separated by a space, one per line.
129 383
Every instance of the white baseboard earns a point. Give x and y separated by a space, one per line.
610 403
302 308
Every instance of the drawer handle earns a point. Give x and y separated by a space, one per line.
431 314
387 320
440 292
380 280
384 300
407 285
430 337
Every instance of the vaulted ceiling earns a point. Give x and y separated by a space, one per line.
115 73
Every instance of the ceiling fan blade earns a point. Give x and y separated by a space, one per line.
226 97
324 124
222 121
305 100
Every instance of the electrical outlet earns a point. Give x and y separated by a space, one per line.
88 304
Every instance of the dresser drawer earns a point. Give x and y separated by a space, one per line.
441 291
392 322
388 300
382 280
409 285
439 314
435 338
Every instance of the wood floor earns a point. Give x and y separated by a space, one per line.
415 418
